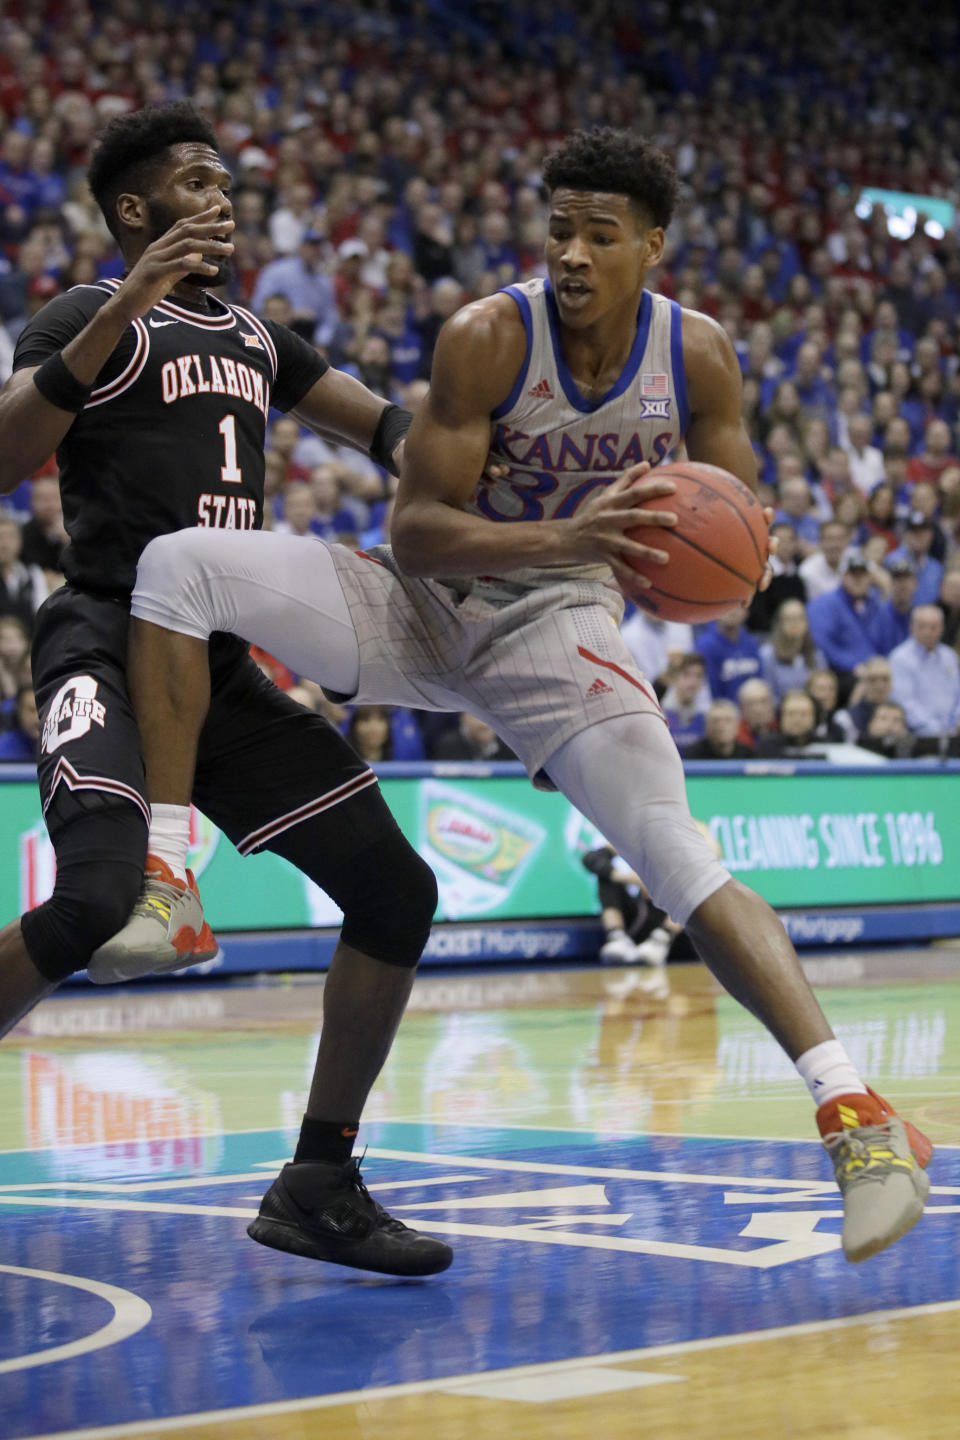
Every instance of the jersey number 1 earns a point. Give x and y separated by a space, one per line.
230 472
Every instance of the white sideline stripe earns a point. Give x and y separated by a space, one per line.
546 1389
130 1314
537 1167
454 1384
475 1162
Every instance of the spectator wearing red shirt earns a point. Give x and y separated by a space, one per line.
935 457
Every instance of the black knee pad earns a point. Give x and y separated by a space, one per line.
388 896
99 873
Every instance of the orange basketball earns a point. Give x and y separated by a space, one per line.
717 551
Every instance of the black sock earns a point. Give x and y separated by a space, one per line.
326 1140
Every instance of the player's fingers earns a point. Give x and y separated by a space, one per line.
642 490
187 252
663 519
647 554
766 577
628 579
212 218
636 472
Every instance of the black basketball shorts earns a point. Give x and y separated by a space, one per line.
264 763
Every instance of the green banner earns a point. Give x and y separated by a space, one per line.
504 851
867 838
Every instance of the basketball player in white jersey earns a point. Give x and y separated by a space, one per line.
500 596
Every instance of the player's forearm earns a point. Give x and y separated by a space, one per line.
31 427
431 538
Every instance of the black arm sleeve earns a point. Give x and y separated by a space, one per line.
299 367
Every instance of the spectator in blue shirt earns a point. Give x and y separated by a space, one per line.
730 653
794 510
306 284
816 396
926 676
847 623
788 657
686 700
17 180
406 347
915 547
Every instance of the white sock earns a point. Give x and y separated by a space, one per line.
170 836
828 1071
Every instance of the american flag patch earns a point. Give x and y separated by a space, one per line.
654 387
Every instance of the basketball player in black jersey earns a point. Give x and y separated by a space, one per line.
155 396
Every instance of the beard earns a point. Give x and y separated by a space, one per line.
161 218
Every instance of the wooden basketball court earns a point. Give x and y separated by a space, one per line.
647 1232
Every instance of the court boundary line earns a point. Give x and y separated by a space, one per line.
458 1125
131 1314
372 1395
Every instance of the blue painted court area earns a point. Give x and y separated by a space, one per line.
131 1292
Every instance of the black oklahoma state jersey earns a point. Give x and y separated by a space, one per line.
173 432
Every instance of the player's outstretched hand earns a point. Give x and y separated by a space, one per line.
195 245
603 520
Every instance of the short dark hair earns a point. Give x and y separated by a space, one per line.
134 147
618 162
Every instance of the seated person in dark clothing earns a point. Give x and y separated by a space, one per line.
19 743
758 716
949 603
368 731
634 929
720 740
887 734
833 725
472 740
798 721
872 688
786 584
43 535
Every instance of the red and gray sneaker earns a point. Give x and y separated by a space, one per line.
166 931
325 1212
880 1163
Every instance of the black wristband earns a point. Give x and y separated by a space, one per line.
60 386
391 428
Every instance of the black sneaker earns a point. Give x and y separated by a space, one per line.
326 1213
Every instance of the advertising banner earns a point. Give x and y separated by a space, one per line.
504 851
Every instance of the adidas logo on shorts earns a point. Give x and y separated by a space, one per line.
599 687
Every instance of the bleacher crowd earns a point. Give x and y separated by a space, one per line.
386 162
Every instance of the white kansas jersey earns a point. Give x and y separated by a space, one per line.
560 446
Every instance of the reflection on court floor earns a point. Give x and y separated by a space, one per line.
592 1149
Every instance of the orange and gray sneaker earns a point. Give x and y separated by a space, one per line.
166 931
880 1164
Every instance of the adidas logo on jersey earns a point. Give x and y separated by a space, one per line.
599 687
541 391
